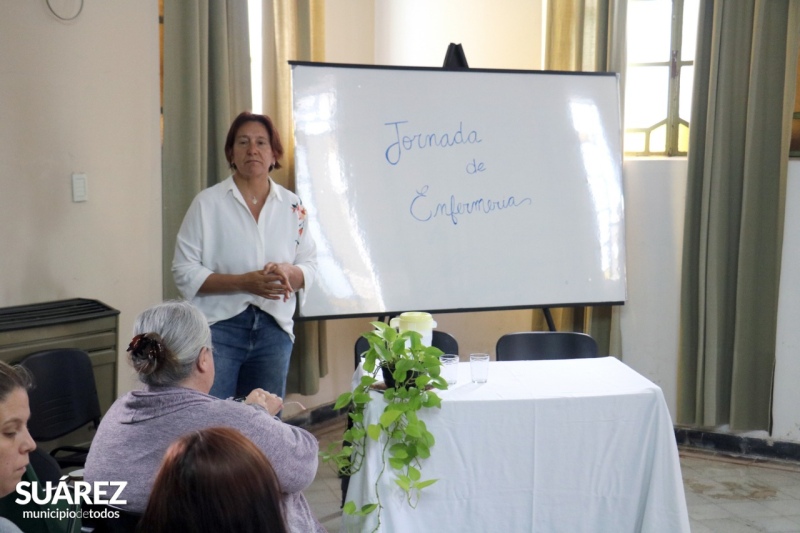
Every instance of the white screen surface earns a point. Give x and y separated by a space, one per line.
442 190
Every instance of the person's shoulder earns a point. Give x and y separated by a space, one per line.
215 192
7 526
284 194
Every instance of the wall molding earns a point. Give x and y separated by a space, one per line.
737 445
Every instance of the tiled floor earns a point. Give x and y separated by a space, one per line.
724 494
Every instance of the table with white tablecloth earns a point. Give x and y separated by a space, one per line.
573 446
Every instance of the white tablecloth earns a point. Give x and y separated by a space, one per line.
583 445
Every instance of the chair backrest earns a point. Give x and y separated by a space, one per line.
64 394
445 342
440 339
45 466
537 345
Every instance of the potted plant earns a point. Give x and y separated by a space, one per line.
404 438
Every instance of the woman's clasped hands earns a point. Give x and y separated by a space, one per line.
271 402
271 282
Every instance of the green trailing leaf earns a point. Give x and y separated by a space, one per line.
404 483
398 451
354 433
423 451
367 382
367 509
403 365
413 430
427 483
343 400
374 432
389 417
417 370
432 400
361 397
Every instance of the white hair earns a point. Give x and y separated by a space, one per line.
184 332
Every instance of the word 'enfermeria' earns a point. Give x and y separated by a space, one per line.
424 210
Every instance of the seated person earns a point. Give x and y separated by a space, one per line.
15 441
171 353
214 480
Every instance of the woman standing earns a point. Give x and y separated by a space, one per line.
241 255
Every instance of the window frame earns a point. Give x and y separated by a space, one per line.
673 119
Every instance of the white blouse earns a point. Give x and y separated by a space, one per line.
219 235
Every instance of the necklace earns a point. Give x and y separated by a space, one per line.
254 200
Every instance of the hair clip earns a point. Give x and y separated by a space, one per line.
144 346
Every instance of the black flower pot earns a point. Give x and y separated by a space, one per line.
388 378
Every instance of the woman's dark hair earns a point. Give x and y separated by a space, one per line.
13 377
214 480
274 137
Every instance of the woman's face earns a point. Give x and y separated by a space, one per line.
252 151
15 441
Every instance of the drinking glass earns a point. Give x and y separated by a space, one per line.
450 368
479 367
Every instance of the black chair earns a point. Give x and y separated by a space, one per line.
63 399
440 339
538 345
45 466
105 518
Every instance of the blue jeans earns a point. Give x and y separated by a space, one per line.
250 351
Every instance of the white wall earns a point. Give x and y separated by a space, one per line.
655 193
499 34
786 393
81 96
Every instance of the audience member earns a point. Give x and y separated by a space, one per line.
15 441
171 353
214 480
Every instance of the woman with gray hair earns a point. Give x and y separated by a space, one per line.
171 353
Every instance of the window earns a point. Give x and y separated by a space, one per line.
658 86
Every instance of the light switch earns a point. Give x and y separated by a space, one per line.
80 188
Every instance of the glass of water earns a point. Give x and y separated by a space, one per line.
479 367
450 368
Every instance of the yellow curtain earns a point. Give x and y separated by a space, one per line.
587 36
294 30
